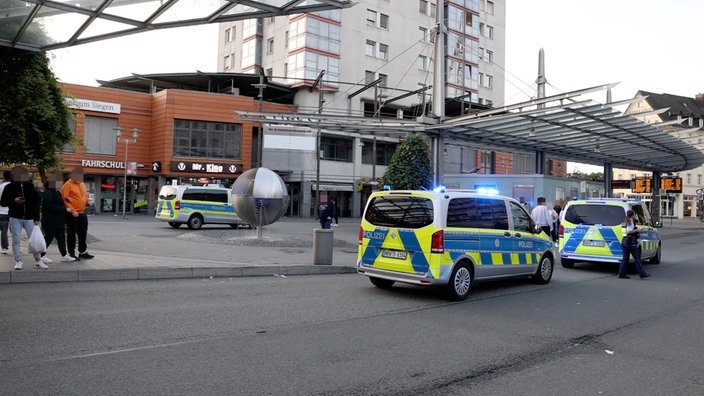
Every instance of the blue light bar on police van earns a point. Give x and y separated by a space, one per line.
439 189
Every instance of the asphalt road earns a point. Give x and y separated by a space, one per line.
586 332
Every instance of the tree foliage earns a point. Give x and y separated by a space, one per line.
595 176
34 119
410 167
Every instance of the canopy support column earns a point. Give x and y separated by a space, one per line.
608 179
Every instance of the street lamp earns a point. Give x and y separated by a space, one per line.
133 139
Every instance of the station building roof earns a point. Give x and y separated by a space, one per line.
43 25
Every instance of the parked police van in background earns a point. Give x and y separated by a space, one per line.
450 238
196 205
592 230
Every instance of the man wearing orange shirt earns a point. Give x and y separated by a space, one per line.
76 200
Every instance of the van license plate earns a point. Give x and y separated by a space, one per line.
593 243
395 254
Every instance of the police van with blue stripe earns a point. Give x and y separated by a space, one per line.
450 238
196 205
592 229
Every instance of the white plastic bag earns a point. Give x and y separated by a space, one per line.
37 244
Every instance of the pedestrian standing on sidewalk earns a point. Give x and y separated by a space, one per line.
4 218
23 209
76 200
326 211
54 217
335 211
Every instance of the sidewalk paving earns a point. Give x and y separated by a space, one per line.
142 248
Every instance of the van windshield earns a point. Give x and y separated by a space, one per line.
400 211
167 193
607 215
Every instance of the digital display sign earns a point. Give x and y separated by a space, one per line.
667 184
641 185
671 184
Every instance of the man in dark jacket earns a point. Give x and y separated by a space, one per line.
20 197
326 211
54 216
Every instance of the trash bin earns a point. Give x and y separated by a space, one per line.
322 247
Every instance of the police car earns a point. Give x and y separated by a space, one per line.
591 230
450 238
196 205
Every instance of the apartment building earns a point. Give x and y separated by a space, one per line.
684 196
378 61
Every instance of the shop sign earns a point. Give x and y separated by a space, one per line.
205 167
93 105
131 168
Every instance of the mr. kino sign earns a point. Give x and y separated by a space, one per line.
181 166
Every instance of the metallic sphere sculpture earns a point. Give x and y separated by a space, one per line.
260 197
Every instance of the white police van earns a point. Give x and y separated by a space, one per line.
196 205
450 238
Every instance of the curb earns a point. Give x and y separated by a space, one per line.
88 275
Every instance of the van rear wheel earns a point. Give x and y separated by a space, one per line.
195 222
567 263
460 282
381 283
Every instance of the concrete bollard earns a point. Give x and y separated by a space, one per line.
322 246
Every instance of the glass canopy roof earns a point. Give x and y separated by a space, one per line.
47 25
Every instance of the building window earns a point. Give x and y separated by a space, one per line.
270 46
383 51
227 62
370 48
384 80
423 7
213 140
228 35
689 178
422 62
371 17
486 31
489 7
486 80
336 149
368 76
68 147
269 72
384 152
99 135
383 21
286 40
422 34
699 179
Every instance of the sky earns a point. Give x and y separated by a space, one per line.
650 45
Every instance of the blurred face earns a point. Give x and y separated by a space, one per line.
20 174
77 177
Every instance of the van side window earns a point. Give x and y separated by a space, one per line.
477 213
192 194
216 196
640 216
521 220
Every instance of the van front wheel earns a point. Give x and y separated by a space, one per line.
544 273
174 224
195 222
460 282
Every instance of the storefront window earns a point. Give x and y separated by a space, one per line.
215 140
